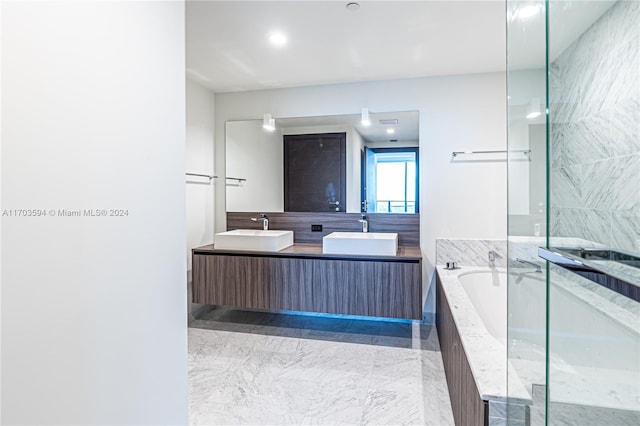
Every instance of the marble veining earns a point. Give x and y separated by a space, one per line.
486 355
470 252
588 224
264 368
595 132
527 247
620 309
504 410
566 414
566 185
581 385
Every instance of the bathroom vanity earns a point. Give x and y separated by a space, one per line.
302 278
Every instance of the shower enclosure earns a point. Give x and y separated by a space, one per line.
573 347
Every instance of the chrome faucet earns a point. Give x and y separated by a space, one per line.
526 262
493 255
364 222
265 221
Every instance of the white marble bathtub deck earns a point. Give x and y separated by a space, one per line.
260 374
486 356
598 386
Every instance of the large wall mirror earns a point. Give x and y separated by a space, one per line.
324 164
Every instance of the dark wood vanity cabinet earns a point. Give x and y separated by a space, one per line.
365 286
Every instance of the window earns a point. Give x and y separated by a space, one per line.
391 180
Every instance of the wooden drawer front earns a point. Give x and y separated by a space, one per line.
290 285
231 281
384 289
468 408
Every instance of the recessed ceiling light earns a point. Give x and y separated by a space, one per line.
390 131
278 39
353 6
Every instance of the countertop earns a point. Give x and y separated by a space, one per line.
314 251
487 356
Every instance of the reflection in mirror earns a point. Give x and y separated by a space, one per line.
324 164
527 176
391 180
315 172
527 91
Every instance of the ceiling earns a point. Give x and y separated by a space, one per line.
405 130
228 48
567 21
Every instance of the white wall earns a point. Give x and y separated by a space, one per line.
355 145
199 160
257 156
457 200
93 308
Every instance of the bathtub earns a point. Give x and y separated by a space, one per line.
476 298
487 291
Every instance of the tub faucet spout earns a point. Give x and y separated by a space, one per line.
493 255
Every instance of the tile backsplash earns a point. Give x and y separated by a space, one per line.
470 252
407 226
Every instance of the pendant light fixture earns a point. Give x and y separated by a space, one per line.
364 117
268 122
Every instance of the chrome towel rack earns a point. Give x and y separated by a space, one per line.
210 177
201 175
502 151
236 179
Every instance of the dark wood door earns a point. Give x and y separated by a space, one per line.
315 172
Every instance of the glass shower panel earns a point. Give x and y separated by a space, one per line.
593 351
527 207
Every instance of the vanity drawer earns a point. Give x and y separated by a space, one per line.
351 287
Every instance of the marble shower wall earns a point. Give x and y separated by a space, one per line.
594 96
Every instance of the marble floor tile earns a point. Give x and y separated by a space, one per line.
203 323
307 421
286 396
340 399
384 407
290 369
230 414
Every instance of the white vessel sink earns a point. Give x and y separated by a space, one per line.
364 243
252 239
